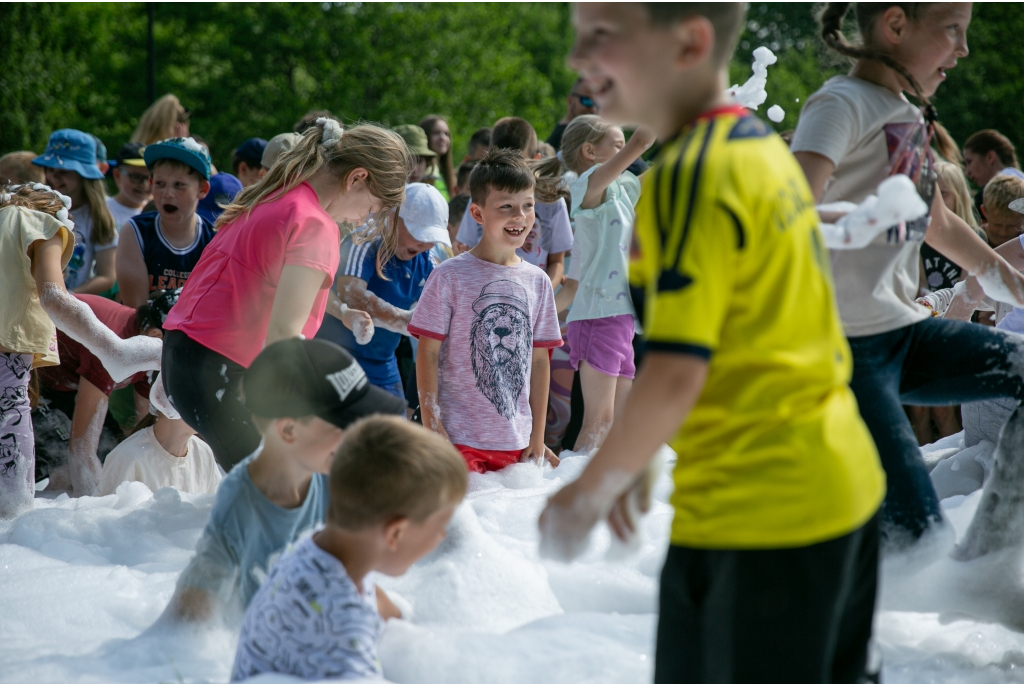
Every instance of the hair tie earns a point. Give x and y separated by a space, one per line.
332 131
930 113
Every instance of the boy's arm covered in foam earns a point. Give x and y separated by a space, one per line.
121 358
608 172
353 292
428 356
207 584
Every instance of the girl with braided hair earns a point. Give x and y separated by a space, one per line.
855 131
267 274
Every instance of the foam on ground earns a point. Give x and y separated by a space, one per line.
83 581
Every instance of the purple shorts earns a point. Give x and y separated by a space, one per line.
606 344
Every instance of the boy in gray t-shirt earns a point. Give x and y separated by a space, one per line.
302 394
394 487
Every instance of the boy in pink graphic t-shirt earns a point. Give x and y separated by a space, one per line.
486 322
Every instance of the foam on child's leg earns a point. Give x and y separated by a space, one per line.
17 442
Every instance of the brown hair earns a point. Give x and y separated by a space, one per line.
549 180
388 468
586 128
45 201
514 133
983 142
142 424
501 169
383 154
1000 192
176 164
867 13
17 167
726 18
103 227
157 122
444 162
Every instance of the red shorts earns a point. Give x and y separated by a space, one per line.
482 461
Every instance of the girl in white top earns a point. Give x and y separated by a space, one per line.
601 320
853 133
160 453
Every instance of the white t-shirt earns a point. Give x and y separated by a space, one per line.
870 133
142 458
600 252
551 232
120 213
80 268
310 621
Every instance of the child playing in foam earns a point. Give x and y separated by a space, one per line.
493 306
394 487
601 321
35 244
160 249
161 453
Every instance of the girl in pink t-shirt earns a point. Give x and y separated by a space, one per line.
267 273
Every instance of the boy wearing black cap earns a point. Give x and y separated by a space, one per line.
132 181
302 394
246 161
161 247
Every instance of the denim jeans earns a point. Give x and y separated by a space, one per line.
933 362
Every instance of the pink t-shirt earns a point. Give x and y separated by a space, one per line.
494 316
225 305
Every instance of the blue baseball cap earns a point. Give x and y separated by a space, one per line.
223 188
185 150
72 150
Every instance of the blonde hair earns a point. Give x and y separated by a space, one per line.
103 227
1000 192
383 154
157 122
953 176
388 468
586 128
17 167
549 175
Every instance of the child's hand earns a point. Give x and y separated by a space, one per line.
536 451
360 323
644 136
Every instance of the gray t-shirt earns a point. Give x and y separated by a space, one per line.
309 620
246 535
870 133
551 233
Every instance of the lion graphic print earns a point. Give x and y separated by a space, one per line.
489 319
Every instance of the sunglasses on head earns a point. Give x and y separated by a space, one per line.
587 102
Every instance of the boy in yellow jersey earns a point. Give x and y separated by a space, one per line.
772 571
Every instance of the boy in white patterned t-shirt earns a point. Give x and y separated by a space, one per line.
394 487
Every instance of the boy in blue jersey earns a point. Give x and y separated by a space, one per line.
422 223
772 570
157 250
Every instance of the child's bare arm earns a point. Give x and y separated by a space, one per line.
1012 252
297 289
556 268
191 605
540 383
356 320
603 177
565 296
132 275
427 358
353 292
385 607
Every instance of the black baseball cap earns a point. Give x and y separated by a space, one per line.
131 155
251 151
298 377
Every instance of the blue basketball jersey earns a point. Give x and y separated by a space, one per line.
168 266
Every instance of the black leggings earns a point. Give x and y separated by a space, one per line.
934 362
203 386
797 615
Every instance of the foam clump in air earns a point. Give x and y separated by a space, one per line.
897 201
776 113
752 93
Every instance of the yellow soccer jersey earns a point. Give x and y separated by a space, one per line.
733 267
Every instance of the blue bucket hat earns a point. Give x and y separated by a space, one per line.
185 150
223 188
72 150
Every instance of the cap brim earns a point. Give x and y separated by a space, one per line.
90 171
424 152
1017 205
376 401
431 234
158 151
133 162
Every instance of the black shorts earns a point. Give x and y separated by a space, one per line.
797 615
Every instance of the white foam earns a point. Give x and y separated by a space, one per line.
776 113
897 201
752 93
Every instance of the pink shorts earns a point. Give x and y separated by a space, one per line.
606 344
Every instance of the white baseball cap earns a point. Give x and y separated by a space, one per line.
425 214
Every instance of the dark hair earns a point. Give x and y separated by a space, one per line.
464 170
444 162
990 140
237 159
457 207
309 119
149 419
388 468
480 138
501 169
726 18
514 133
830 20
175 164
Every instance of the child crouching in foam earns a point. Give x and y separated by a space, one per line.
394 487
490 305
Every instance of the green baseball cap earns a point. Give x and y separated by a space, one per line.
416 138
